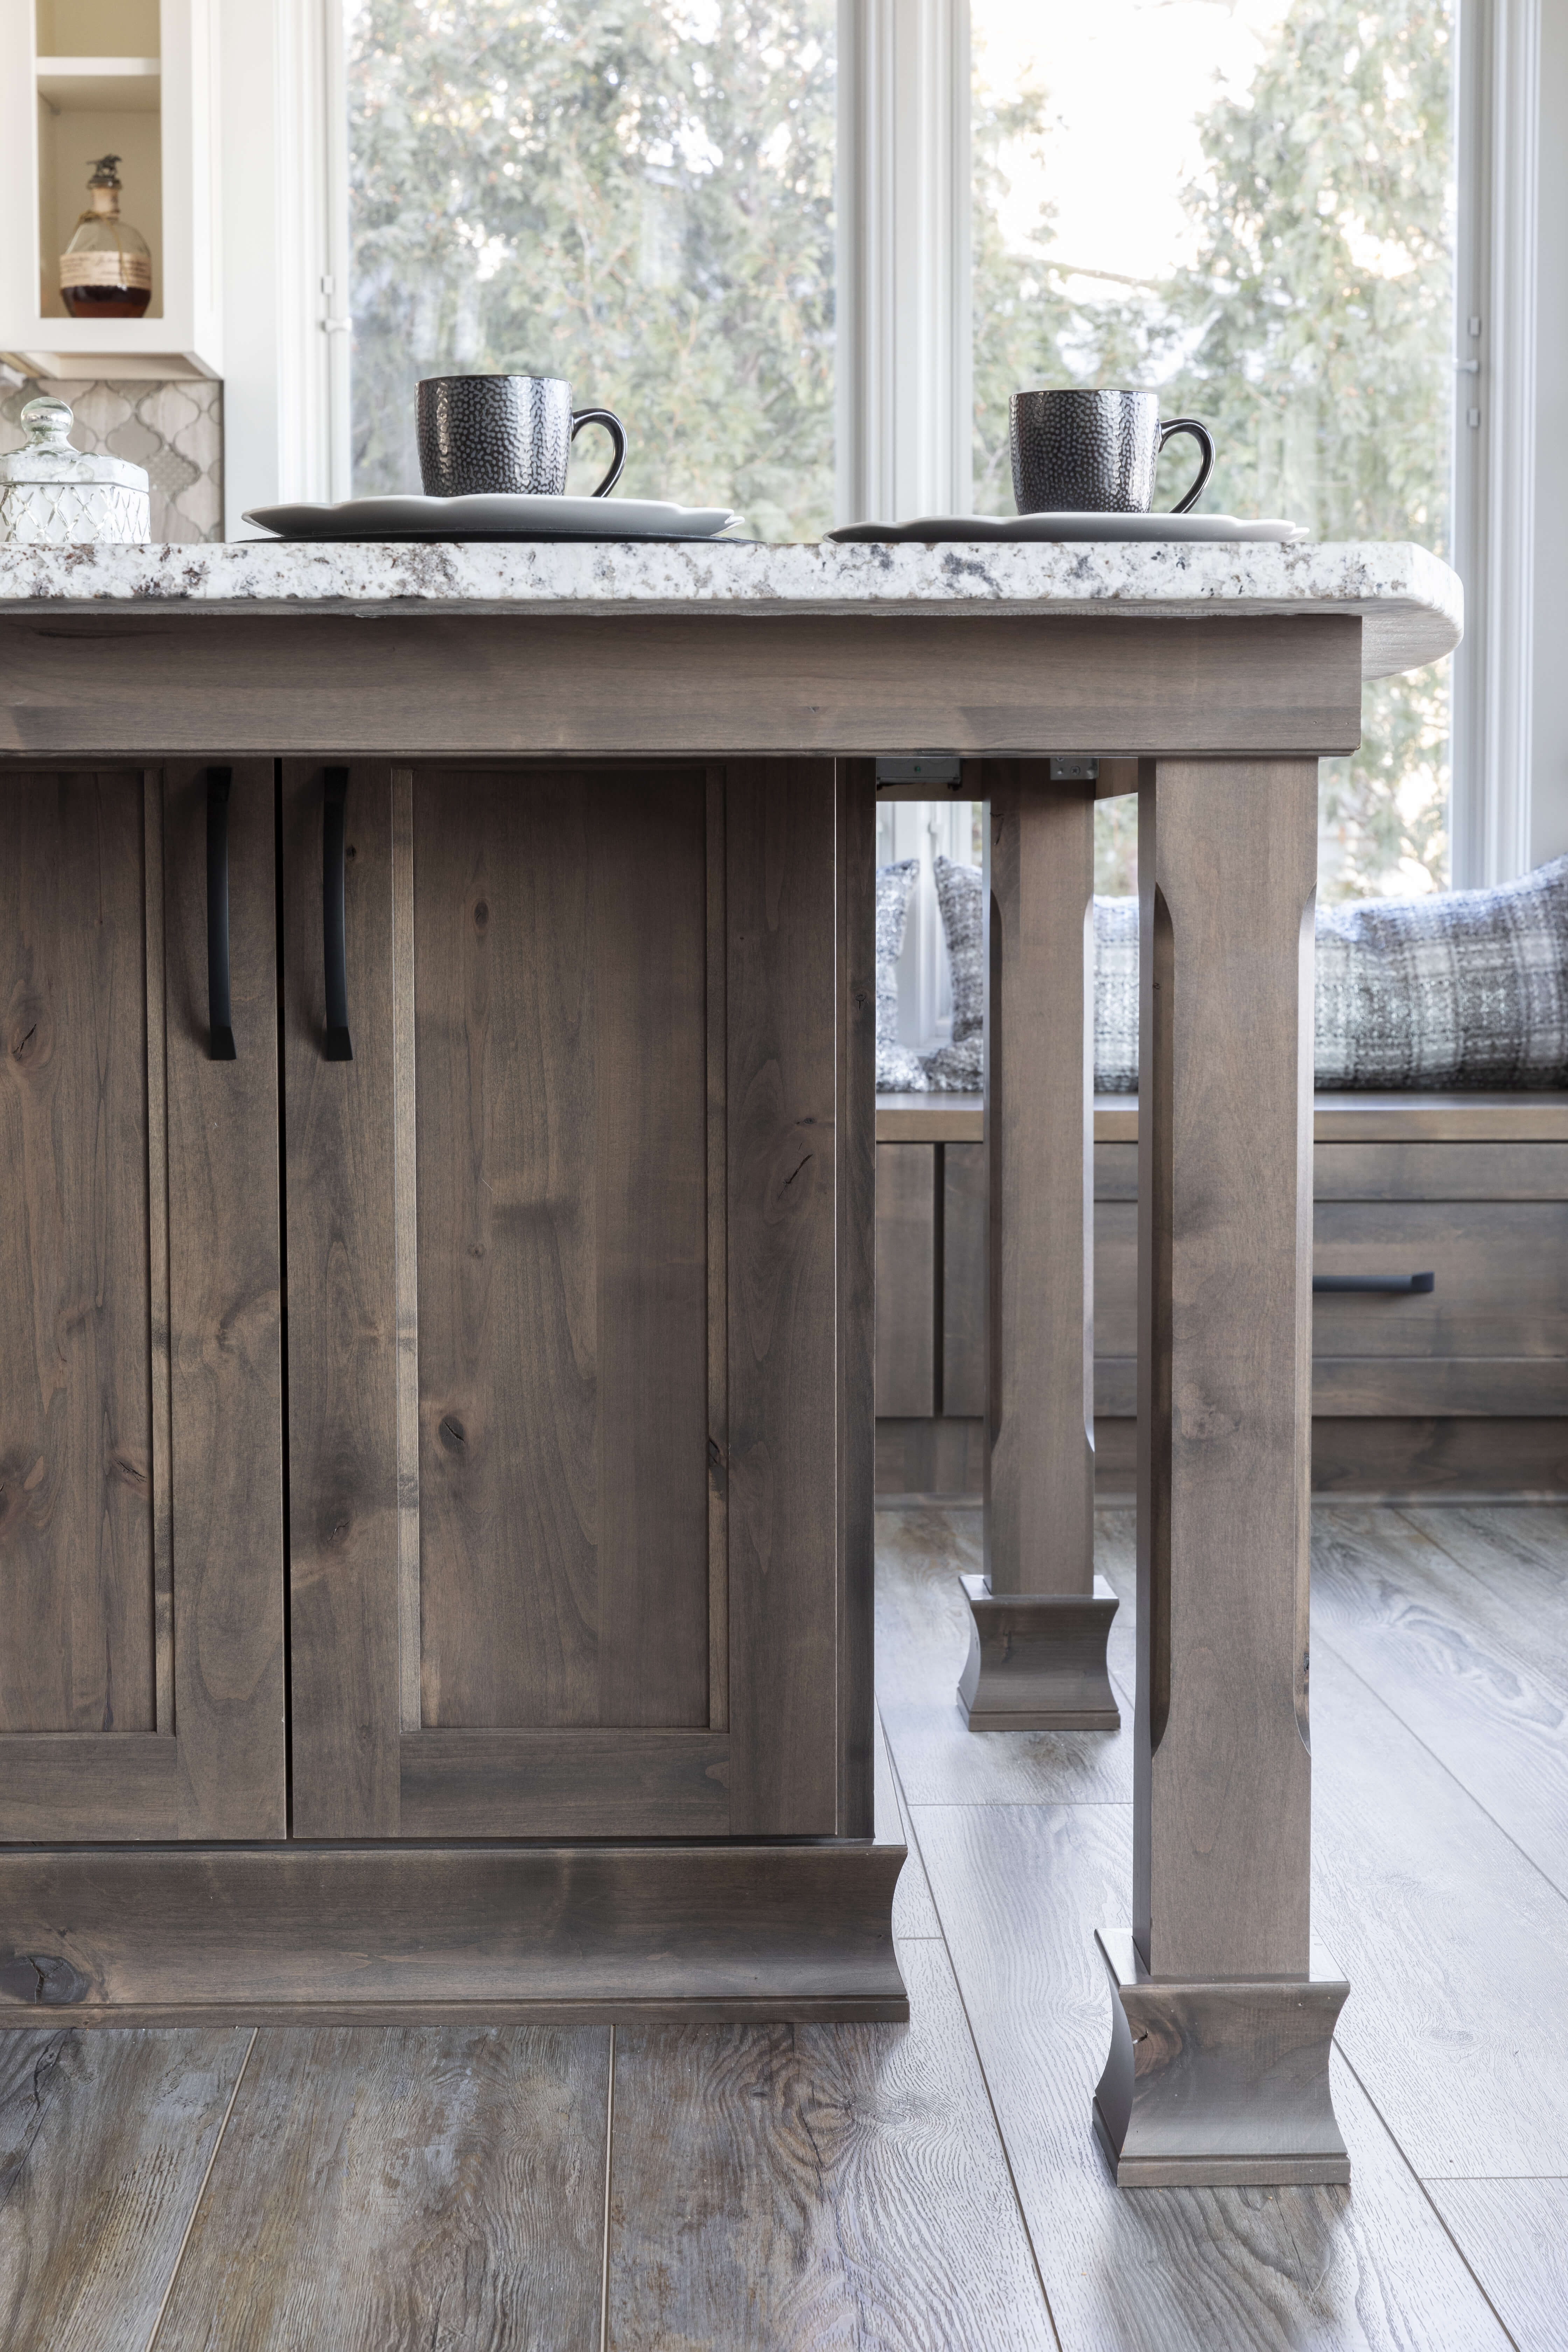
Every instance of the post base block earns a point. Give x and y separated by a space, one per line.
1217 2085
1037 1660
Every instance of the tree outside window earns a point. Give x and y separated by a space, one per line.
1309 320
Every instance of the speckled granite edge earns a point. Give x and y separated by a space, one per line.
1413 603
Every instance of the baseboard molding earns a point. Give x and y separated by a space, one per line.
339 1935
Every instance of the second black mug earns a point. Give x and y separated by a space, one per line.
1095 452
480 434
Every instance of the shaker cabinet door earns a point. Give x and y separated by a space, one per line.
544 1262
141 1489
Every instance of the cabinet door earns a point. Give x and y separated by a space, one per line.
562 1273
141 1496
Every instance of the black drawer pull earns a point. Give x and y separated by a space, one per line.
340 1045
220 1017
1400 1284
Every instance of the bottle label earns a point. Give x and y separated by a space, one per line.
133 269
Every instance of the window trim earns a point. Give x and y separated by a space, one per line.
1494 500
903 424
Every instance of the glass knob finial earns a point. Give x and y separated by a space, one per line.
47 424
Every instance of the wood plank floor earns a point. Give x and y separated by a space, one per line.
932 2188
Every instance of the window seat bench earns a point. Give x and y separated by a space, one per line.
1457 1392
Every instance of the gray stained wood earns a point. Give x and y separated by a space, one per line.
560 954
105 2142
940 1459
1505 1459
1413 1171
140 1320
427 2186
503 1306
76 1313
1228 866
1404 1119
806 2187
859 1737
783 1171
1039 1019
962 1303
1514 2236
396 1933
1355 1119
922 1642
337 685
1020 1891
345 1689
1452 1941
226 1322
905 1280
1468 1662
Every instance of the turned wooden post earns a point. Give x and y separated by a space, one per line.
1218 2069
1038 1617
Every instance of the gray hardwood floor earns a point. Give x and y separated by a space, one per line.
932 2188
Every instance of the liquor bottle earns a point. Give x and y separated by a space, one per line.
106 270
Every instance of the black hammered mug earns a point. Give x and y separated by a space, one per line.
483 434
1095 452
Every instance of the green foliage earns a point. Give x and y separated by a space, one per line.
634 194
1312 334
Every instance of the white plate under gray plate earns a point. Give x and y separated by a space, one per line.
504 516
1194 529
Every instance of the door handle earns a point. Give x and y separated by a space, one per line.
220 1032
1401 1285
334 798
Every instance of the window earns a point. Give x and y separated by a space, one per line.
1252 208
638 198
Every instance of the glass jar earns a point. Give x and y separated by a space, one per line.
106 270
54 496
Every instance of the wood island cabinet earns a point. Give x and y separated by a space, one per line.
422 1450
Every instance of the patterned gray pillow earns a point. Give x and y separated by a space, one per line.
1466 988
959 1069
1116 996
958 893
898 1069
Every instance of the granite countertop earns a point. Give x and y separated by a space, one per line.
1413 605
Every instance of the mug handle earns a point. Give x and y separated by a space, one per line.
617 433
1202 436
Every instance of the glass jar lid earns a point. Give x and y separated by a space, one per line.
49 457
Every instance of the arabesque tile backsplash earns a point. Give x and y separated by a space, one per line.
174 428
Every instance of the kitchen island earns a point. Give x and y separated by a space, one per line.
436 1440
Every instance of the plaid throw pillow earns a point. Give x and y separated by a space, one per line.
1466 988
899 1070
1462 989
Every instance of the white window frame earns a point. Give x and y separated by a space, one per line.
903 421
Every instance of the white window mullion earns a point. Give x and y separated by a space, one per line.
903 349
1494 500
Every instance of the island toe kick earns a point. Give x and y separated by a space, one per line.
502 1934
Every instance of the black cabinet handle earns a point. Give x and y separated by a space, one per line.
340 1045
220 1032
1400 1284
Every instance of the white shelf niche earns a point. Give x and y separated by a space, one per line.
68 94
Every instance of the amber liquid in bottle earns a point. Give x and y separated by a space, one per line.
106 270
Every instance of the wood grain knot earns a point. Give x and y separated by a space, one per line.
41 1981
28 1037
453 1435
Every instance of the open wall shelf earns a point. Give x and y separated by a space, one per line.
81 79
